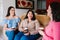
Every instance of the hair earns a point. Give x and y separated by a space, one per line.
33 18
55 7
8 12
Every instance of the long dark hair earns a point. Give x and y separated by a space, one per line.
33 18
8 12
55 7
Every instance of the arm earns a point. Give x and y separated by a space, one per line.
5 27
37 26
5 24
21 26
18 21
17 27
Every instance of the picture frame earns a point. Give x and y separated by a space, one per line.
24 4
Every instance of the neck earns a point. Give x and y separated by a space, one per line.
29 19
11 16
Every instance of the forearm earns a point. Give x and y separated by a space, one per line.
6 28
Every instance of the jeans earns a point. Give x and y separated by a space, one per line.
21 36
10 35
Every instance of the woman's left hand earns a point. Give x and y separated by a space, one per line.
27 33
41 32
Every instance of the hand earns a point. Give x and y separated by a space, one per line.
27 33
10 29
41 28
25 30
35 32
41 32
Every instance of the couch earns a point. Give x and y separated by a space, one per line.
43 20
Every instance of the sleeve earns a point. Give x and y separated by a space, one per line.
37 25
56 32
19 20
5 21
21 26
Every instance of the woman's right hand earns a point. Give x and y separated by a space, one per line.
24 30
28 33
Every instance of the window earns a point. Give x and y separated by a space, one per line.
41 4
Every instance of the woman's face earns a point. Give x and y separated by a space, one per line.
12 11
30 15
49 11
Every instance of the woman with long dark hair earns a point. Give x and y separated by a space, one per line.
52 31
28 28
11 23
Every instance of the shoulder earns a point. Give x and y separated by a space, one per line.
56 23
18 18
36 20
25 20
6 17
5 20
53 24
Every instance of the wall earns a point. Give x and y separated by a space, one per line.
4 6
1 11
7 3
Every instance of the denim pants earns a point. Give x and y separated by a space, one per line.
10 35
21 36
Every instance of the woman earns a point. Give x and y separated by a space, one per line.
28 28
52 31
11 23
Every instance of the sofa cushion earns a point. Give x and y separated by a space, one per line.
43 19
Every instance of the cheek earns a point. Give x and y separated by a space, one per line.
29 15
10 12
13 11
48 12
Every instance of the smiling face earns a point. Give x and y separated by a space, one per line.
30 15
12 11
